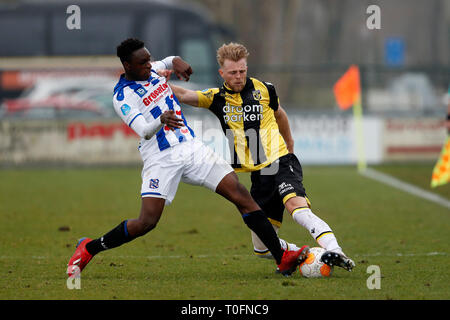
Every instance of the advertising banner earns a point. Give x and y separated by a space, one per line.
317 139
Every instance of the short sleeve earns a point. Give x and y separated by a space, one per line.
206 97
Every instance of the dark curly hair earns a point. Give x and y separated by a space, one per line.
127 47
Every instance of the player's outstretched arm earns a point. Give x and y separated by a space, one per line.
285 130
186 96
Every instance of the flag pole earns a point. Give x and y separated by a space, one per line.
359 134
347 91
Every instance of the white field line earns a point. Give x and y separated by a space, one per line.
396 183
250 255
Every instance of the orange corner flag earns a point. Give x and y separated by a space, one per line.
347 89
441 171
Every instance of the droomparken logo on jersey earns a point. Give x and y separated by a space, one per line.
242 113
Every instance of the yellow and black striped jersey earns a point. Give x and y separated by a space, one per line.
248 121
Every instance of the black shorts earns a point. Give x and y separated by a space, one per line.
271 191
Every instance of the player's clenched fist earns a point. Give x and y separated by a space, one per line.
181 68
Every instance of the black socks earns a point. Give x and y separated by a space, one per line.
114 238
259 224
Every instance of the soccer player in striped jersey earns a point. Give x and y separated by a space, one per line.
260 140
171 153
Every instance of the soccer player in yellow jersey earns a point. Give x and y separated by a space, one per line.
258 132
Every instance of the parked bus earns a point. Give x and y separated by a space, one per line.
35 41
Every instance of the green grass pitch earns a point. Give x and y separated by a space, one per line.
201 248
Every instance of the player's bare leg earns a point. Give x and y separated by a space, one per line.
231 189
151 211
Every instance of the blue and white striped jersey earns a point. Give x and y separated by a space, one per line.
149 99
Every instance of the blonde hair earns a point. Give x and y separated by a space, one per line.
231 51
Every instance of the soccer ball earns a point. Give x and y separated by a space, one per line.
313 267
